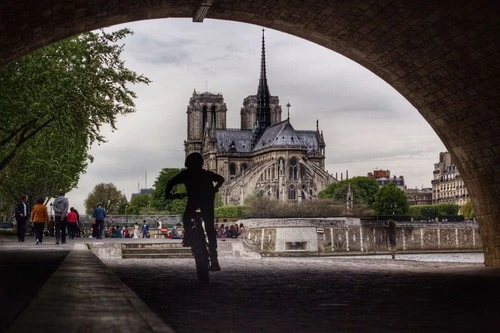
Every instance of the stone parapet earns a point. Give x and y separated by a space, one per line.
346 235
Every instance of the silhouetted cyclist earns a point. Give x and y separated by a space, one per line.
201 194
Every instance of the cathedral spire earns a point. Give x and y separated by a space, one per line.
263 109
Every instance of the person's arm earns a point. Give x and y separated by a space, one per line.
219 181
177 179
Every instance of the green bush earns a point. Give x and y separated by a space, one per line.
431 211
230 211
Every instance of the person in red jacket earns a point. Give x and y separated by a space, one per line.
71 219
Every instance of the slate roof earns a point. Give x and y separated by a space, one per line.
240 138
280 135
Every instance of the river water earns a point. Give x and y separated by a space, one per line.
432 257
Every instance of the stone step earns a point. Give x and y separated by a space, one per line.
163 245
156 250
162 250
164 255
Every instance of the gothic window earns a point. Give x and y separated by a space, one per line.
204 119
291 192
293 168
302 172
243 167
214 117
232 169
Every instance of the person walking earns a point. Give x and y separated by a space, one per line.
50 226
60 206
21 214
99 215
39 216
72 220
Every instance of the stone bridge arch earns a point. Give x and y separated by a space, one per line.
443 56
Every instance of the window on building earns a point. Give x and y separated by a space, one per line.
232 169
204 118
291 193
293 169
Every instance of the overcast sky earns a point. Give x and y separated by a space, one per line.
366 123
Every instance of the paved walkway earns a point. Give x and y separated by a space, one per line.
249 295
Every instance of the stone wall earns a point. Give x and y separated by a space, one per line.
349 235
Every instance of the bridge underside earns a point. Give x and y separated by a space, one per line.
443 56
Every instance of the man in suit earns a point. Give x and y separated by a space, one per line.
22 213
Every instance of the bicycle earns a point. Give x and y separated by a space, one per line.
199 244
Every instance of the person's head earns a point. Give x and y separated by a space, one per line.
72 209
144 221
194 161
241 225
40 201
24 198
61 193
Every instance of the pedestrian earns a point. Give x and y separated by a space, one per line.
99 215
72 220
60 206
50 226
145 229
21 214
39 216
79 227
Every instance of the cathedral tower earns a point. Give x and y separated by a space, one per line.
205 111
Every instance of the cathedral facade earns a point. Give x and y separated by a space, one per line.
267 154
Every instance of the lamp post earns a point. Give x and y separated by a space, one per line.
51 208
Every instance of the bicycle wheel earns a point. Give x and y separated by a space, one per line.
201 257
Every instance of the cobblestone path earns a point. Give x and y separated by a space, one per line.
318 295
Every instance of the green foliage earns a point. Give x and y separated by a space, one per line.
260 205
230 211
53 104
467 210
137 204
111 199
158 195
363 189
432 211
390 200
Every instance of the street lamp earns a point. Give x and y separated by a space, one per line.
51 209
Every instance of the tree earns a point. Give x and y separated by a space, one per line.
363 189
390 200
158 201
138 204
467 210
111 199
53 104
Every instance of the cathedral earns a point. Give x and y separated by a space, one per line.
267 154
